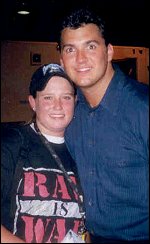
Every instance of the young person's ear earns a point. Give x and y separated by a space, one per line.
75 99
31 102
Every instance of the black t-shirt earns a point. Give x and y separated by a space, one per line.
37 203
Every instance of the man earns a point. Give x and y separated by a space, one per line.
108 137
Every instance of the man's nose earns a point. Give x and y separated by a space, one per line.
81 56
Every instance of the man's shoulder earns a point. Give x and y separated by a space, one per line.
131 86
137 90
135 101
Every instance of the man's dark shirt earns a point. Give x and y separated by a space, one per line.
110 146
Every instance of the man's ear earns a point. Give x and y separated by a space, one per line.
110 52
31 102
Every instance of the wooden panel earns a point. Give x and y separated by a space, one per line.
141 54
17 70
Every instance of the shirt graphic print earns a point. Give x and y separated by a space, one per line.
47 207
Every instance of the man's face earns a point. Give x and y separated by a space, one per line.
84 55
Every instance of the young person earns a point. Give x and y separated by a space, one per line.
41 201
108 137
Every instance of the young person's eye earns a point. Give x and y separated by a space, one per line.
67 97
48 98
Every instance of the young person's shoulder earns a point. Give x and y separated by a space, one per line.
13 134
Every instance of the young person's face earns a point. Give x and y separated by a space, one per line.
84 55
54 106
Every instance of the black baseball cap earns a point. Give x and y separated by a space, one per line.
43 74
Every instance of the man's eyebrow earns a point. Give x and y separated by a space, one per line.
94 41
73 45
67 45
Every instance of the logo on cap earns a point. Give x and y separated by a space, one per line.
52 68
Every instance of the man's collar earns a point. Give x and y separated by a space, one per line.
111 98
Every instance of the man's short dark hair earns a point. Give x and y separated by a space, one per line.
79 18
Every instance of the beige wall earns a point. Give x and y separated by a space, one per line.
17 69
16 72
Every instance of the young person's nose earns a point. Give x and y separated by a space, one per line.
57 103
